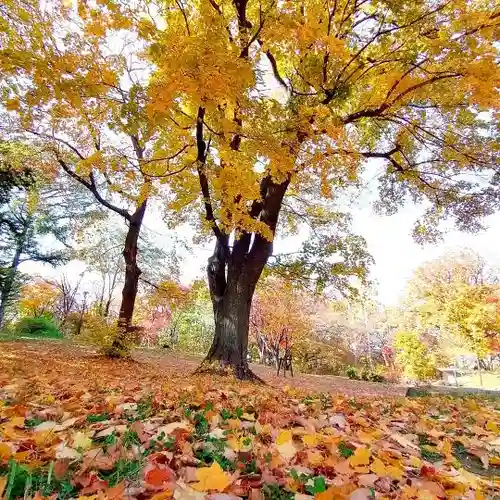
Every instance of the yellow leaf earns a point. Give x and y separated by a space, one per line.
284 436
81 440
3 484
287 450
315 458
379 468
361 457
415 462
211 478
394 472
310 440
248 416
366 437
493 427
12 104
5 451
479 495
17 422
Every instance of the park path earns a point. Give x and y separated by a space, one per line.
165 362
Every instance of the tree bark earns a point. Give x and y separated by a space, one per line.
119 347
6 293
232 302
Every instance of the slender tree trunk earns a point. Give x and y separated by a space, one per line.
119 347
10 278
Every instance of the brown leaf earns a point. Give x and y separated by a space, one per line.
367 479
61 467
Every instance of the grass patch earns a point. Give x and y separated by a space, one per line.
123 469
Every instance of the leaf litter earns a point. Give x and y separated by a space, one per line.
74 425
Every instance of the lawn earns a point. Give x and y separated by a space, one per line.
76 425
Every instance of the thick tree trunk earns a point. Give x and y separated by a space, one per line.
230 345
232 302
119 347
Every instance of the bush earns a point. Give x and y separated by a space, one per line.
38 327
97 330
320 358
364 374
414 356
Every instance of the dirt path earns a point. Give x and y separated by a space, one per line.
170 362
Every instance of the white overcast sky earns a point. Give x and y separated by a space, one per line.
388 238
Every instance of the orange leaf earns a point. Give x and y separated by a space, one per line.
164 495
116 493
5 451
3 484
156 477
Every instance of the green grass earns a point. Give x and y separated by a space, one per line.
123 469
24 483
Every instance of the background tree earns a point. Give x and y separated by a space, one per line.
101 249
48 207
414 356
39 298
278 319
84 96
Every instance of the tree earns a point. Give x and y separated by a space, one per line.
401 82
414 356
39 298
472 315
101 249
15 173
278 318
285 101
49 206
454 298
86 101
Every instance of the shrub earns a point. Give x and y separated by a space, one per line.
98 330
38 327
320 358
364 374
414 356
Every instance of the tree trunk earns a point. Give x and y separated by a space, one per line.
6 292
230 344
119 347
232 302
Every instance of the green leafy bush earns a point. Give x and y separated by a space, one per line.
364 374
38 327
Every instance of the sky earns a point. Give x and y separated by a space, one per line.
388 238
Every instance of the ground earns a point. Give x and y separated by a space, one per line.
76 425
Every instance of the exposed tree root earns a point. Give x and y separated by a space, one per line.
222 368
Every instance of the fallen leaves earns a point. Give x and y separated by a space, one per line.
100 430
361 457
211 478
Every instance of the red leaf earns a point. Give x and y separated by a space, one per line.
427 471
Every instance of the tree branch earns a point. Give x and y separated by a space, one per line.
92 187
204 186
